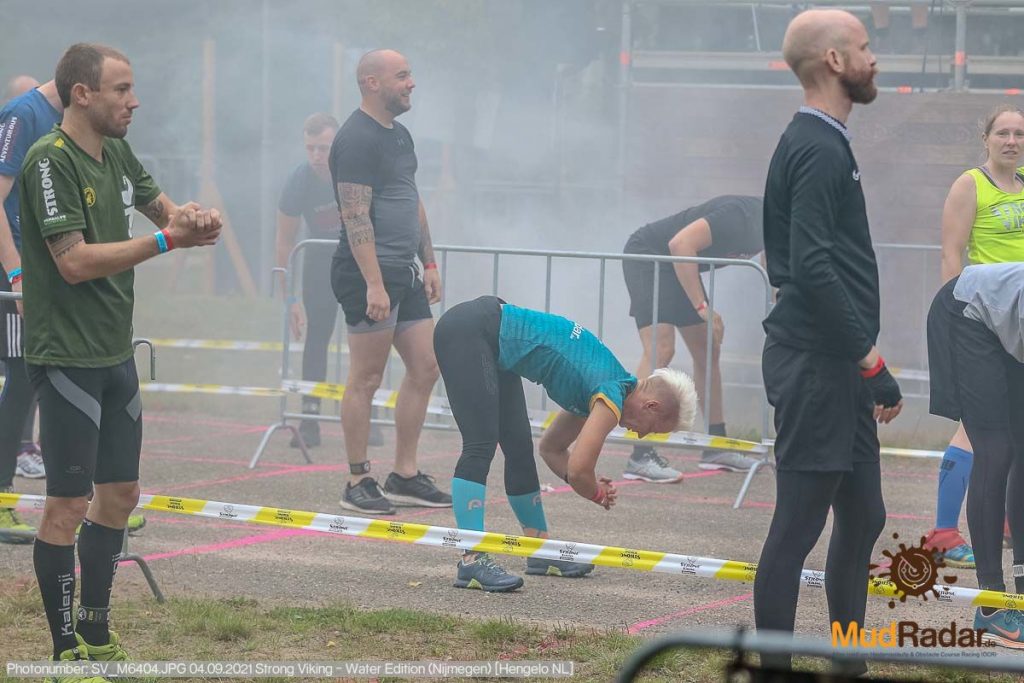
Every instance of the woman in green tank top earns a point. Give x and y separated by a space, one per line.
984 218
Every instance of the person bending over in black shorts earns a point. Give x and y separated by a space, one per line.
722 227
485 348
976 368
822 372
79 187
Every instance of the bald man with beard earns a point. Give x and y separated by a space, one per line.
376 279
822 371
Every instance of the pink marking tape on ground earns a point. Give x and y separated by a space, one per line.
269 537
657 621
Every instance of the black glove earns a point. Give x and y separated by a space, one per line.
884 389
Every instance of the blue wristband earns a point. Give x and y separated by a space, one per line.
161 241
13 274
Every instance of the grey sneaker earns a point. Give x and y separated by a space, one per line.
487 575
647 465
30 463
418 490
730 461
366 497
563 568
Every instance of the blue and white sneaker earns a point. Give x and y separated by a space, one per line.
1004 627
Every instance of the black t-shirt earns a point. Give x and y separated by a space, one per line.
735 222
366 153
818 244
308 195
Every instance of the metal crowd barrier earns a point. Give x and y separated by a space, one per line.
286 417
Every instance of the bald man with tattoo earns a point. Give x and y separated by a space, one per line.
80 186
378 284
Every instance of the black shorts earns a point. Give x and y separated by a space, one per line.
402 283
674 307
90 426
971 376
824 415
11 325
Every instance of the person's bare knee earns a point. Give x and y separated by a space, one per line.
113 503
61 517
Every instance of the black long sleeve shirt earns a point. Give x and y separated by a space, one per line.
818 245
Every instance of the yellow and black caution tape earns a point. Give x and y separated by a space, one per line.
508 544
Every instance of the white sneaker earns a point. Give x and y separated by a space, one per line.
651 467
730 461
30 465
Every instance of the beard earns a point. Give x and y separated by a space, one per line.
106 127
395 105
860 90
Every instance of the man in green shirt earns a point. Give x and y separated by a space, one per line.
80 186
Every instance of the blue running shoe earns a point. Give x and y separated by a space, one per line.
960 557
563 568
487 575
1004 627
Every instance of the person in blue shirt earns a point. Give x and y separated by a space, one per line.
484 349
23 120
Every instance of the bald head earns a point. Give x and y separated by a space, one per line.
377 63
19 85
812 34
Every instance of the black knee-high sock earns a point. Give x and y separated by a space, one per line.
55 572
99 549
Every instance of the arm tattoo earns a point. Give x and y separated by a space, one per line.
355 212
63 243
154 211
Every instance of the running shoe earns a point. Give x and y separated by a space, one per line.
13 530
487 575
30 463
309 431
78 653
366 497
1003 627
563 568
728 461
418 490
647 465
954 550
111 652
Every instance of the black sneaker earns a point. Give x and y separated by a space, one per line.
563 568
366 497
487 575
310 432
418 491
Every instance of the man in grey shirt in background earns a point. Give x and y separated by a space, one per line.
376 280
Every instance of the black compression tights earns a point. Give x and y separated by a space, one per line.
16 404
321 313
802 503
998 457
488 403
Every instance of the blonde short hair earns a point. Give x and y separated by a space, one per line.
676 387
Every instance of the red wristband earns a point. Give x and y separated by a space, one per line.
167 236
429 266
873 370
703 306
598 496
15 280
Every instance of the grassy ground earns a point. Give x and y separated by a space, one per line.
246 630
